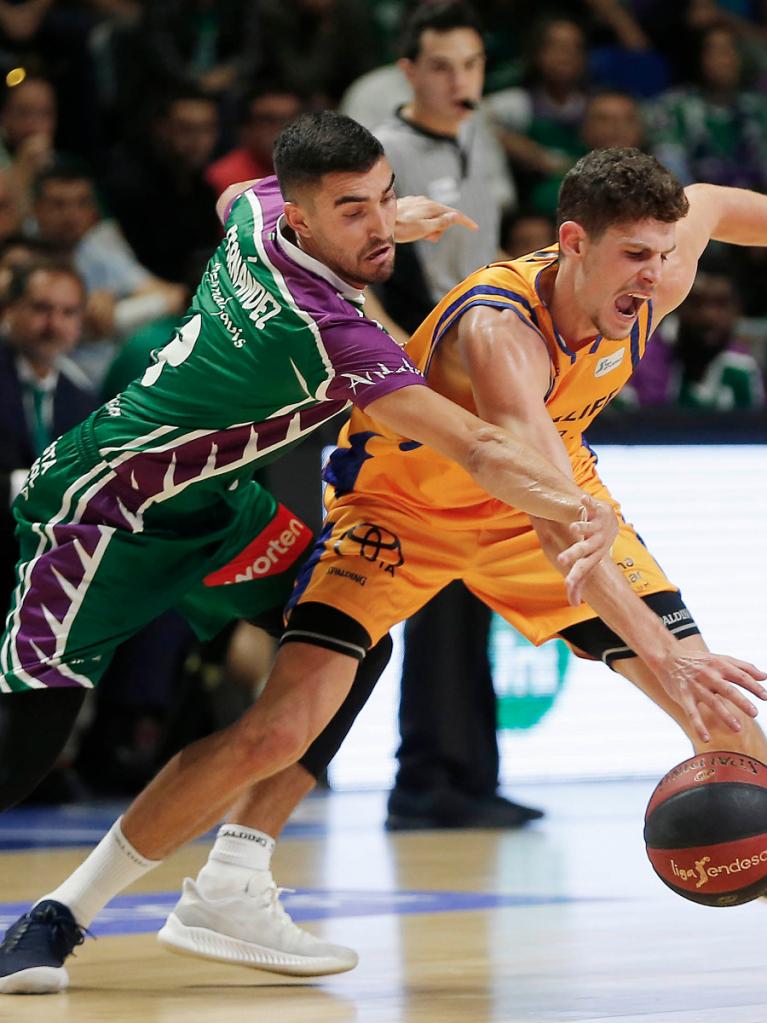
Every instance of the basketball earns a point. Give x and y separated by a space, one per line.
706 829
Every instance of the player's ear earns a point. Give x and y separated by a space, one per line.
571 238
407 68
295 214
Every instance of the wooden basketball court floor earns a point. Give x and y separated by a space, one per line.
563 921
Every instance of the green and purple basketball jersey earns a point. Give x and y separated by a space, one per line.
143 505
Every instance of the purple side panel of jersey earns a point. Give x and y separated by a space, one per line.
149 475
54 585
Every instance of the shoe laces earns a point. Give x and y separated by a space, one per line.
65 933
273 894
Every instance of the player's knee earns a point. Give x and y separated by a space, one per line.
267 745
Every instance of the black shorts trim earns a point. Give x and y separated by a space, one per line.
327 627
598 641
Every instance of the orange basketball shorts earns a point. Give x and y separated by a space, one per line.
379 563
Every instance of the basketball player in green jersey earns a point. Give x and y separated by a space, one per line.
150 503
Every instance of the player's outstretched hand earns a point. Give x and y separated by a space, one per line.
594 536
419 218
699 678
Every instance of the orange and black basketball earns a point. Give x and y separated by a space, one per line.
706 829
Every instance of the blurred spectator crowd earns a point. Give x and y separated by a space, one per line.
122 120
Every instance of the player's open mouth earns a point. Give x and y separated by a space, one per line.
628 305
380 254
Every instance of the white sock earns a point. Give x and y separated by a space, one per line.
239 861
112 866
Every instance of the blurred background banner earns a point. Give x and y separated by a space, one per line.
700 508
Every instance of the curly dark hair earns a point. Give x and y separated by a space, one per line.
619 186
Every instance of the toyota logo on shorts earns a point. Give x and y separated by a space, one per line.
373 543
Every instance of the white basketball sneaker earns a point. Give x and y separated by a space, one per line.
251 929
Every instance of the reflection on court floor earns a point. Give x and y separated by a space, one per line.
563 922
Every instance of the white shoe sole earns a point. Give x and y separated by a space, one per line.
37 980
199 941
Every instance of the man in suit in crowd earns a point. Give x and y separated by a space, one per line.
42 392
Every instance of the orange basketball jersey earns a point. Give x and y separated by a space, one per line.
372 460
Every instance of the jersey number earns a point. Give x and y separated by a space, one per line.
176 351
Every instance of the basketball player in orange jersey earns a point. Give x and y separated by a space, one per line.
537 347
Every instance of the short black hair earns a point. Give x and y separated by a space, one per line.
619 186
440 17
322 142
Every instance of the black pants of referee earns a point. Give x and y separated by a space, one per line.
447 714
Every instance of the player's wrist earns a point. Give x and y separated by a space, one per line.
663 652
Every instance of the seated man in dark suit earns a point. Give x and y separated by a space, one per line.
42 393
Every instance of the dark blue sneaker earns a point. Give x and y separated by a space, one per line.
34 948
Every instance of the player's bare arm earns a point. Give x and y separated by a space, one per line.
510 372
508 367
418 217
229 194
733 215
505 467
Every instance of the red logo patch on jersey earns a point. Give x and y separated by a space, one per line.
273 551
